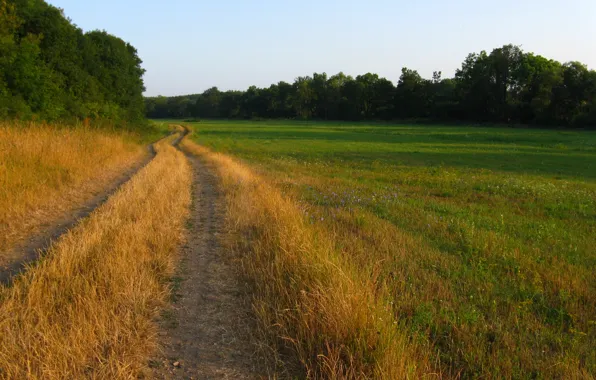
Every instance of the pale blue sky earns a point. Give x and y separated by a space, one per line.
190 45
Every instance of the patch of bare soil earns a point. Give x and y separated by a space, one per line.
208 333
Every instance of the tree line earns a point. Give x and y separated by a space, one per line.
505 86
50 69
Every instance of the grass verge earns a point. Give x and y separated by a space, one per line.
47 169
87 309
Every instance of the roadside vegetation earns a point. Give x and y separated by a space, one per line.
47 169
87 310
421 250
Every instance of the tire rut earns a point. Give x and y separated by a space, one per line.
208 332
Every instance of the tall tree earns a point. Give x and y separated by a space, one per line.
410 95
320 95
208 104
505 63
304 97
538 77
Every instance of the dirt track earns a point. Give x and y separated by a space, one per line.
207 334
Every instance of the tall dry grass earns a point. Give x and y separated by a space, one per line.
46 170
330 314
86 310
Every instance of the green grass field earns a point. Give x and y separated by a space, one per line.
484 237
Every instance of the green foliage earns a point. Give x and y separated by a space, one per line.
505 86
50 69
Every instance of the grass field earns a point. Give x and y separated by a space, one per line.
480 241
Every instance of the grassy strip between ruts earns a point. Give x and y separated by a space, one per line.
47 169
307 297
86 310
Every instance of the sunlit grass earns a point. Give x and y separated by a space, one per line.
483 237
88 308
47 169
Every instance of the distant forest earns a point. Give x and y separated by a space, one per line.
51 70
505 86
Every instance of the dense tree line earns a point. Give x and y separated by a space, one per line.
505 86
50 69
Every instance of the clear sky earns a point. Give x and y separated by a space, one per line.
190 45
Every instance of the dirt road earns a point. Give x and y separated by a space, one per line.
207 334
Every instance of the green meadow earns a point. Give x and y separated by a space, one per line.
483 238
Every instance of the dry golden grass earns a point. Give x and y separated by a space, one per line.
86 310
308 297
46 170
